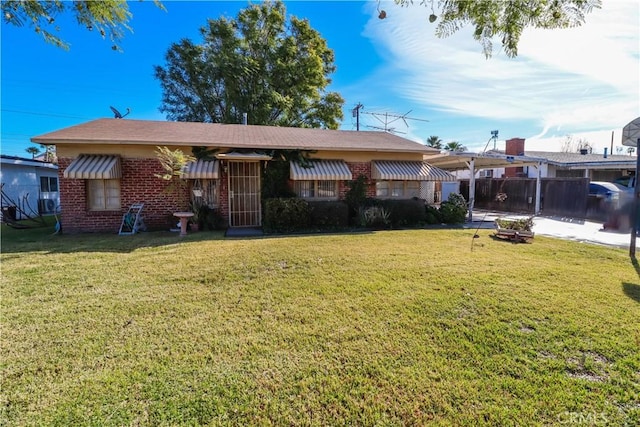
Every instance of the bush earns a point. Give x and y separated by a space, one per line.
286 215
356 196
454 209
329 214
374 217
523 224
405 212
432 215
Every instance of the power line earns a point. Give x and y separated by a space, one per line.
34 113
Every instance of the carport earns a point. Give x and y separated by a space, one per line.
454 161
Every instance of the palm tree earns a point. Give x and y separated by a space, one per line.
33 151
434 142
455 146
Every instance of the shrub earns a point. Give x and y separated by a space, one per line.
432 215
329 214
356 196
523 224
374 217
284 215
454 209
405 212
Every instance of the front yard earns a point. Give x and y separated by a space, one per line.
385 328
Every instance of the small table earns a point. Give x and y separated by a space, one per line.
184 217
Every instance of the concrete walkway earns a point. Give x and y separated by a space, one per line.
562 228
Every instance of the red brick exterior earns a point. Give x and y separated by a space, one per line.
357 169
514 147
139 184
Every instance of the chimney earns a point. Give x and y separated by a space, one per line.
514 147
244 119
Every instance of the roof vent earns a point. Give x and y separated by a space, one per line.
584 151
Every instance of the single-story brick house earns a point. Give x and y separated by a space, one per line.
106 165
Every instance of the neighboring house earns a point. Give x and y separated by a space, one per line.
596 167
108 164
29 187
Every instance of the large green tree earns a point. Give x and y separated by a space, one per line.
109 18
275 70
504 19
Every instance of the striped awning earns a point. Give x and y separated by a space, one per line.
201 169
94 167
408 171
323 170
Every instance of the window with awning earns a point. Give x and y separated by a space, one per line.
387 170
320 170
94 167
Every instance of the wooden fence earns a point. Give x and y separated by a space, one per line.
560 196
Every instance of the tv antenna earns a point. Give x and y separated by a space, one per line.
387 119
117 114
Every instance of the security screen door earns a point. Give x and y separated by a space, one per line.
244 194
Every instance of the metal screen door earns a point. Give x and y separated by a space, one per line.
244 194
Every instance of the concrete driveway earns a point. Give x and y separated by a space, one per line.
563 228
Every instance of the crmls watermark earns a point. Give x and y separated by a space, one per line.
582 418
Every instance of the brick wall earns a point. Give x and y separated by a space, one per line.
514 147
357 169
138 184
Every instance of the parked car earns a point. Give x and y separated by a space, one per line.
612 196
627 181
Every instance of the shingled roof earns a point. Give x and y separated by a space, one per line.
145 132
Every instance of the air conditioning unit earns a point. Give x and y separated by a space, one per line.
486 173
46 206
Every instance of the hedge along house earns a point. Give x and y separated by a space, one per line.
106 165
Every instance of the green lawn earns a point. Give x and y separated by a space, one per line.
384 328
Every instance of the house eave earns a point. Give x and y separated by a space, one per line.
242 145
594 165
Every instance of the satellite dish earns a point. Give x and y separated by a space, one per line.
117 114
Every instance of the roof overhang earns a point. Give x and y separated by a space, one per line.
461 160
596 165
322 170
94 167
408 171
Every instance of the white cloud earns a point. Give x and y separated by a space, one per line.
563 81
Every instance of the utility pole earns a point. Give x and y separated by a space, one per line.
636 207
356 113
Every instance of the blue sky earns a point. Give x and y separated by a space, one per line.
582 81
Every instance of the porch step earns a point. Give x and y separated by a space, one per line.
243 232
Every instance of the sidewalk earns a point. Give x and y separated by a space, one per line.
563 228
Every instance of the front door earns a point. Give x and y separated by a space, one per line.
244 194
